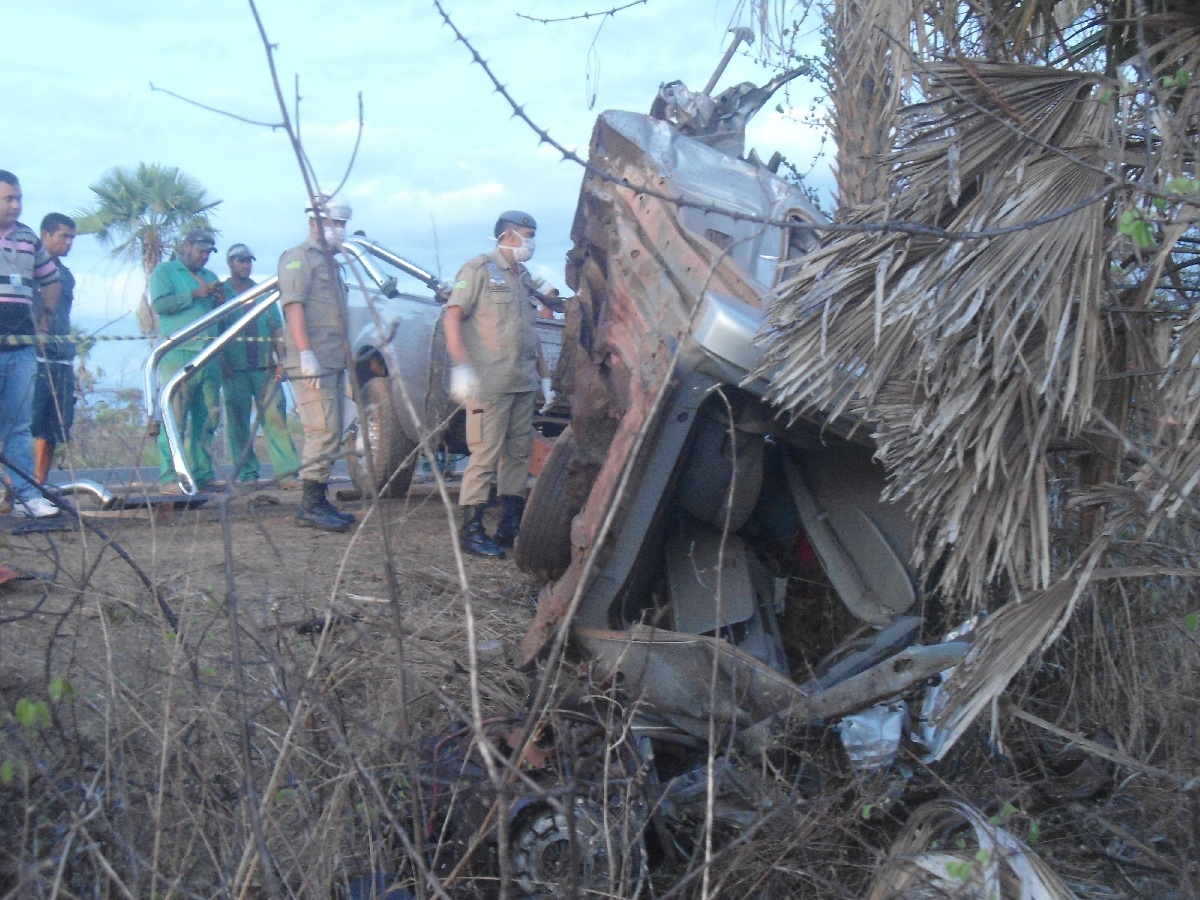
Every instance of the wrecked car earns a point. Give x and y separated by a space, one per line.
392 333
688 531
725 578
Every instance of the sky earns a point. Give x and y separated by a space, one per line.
441 154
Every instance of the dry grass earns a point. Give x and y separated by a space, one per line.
262 755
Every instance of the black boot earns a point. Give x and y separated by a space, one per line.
473 538
510 520
315 511
348 517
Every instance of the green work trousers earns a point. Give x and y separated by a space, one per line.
197 408
258 389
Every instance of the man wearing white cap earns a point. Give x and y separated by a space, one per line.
313 297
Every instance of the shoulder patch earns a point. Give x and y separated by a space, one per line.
294 264
461 284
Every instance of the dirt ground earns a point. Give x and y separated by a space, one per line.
280 572
85 644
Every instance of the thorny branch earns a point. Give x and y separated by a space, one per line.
586 15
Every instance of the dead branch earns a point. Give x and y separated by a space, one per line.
213 109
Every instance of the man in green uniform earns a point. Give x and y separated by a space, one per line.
181 291
495 354
313 296
251 376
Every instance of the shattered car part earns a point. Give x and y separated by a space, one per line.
927 733
668 674
547 839
662 669
575 821
871 738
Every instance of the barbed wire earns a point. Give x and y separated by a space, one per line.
887 227
585 15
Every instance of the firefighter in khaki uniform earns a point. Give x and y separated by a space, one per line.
496 370
313 297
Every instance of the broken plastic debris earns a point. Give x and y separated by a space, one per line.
871 738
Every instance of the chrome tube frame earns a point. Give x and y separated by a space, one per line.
106 498
358 255
355 245
150 383
259 298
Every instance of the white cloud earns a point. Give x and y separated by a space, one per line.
107 296
369 188
454 205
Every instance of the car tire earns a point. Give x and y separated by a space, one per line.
544 542
391 448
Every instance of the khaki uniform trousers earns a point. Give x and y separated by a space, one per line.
500 438
320 412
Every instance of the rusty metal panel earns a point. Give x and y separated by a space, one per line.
640 266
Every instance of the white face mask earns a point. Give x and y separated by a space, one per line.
524 252
334 234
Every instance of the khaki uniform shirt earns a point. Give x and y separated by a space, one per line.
306 276
497 324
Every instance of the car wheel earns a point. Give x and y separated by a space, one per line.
391 448
544 542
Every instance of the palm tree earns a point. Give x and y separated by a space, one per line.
141 212
1061 134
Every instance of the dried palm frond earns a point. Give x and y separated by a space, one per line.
970 356
999 648
948 849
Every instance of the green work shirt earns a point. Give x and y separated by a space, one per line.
497 324
306 277
171 286
250 351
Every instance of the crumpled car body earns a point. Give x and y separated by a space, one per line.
693 501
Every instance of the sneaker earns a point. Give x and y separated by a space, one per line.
34 508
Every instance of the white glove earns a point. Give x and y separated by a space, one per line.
549 393
463 382
310 368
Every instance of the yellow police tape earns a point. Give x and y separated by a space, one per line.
25 340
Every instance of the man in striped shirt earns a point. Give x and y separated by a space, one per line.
23 262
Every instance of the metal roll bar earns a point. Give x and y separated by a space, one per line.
171 341
255 301
357 245
259 301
